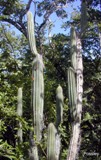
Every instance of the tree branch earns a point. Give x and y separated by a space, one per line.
20 26
54 7
8 40
27 8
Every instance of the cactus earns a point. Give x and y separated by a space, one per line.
19 112
72 87
59 106
75 91
73 51
37 81
37 87
51 142
37 96
72 95
31 34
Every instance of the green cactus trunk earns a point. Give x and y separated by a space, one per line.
37 87
37 80
37 95
51 142
72 93
31 33
19 112
73 51
59 106
72 86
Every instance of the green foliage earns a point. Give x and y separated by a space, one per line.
7 151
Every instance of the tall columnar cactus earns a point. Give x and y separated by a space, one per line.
72 86
75 91
59 106
51 142
37 81
19 112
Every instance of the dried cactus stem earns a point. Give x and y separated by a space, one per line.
33 151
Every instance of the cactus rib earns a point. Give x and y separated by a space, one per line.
51 142
59 105
38 92
72 91
73 49
31 34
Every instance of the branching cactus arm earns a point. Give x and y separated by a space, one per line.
31 33
73 51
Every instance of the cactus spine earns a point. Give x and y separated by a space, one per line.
19 112
51 142
59 106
